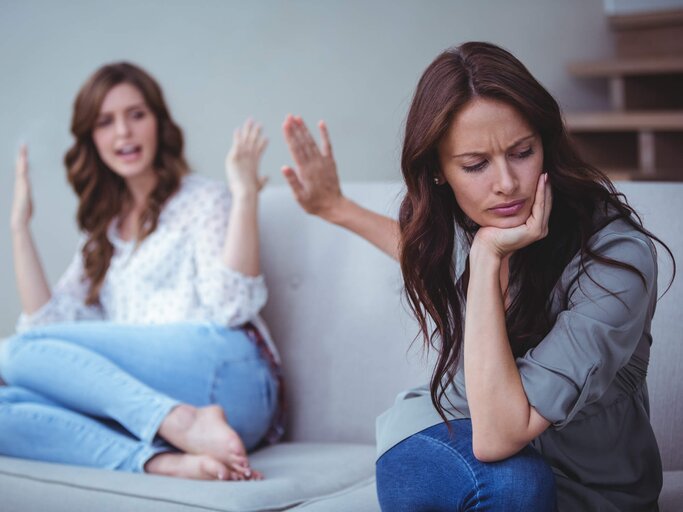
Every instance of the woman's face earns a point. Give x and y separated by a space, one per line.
125 132
492 159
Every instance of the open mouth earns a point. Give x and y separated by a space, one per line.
129 152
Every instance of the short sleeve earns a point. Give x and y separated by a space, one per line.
227 297
67 302
598 332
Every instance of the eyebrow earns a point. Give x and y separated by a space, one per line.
128 109
516 143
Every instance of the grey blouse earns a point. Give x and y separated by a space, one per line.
587 377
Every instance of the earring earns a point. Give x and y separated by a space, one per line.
437 181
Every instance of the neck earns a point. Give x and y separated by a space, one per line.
140 187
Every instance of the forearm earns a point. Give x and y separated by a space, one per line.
498 405
381 231
241 246
34 291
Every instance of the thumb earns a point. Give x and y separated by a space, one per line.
292 180
22 159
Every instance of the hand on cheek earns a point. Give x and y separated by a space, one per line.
503 241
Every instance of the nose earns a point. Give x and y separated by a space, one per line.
122 127
506 182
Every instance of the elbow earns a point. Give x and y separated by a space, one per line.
487 454
494 450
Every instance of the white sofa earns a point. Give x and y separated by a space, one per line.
337 314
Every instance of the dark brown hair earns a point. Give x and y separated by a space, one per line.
429 213
103 194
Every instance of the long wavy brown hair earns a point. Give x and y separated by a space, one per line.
429 213
103 194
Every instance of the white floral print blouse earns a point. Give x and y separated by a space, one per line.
175 275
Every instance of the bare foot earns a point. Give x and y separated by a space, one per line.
182 465
205 431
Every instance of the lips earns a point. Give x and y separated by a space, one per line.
507 209
129 152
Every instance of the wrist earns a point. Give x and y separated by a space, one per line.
19 229
244 195
338 211
484 257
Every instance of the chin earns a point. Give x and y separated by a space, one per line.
507 222
130 171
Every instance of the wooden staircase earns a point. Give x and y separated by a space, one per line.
641 138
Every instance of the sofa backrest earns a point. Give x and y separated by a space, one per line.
337 313
658 204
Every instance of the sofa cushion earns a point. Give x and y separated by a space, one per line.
671 499
295 473
359 498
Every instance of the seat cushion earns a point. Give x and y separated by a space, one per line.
295 473
359 498
671 498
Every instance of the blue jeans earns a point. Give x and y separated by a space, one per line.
95 393
436 471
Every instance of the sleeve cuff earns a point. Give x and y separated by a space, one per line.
555 396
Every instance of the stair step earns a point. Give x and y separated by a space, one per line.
617 174
647 19
623 67
625 121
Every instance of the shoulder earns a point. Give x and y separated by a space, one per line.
197 196
616 250
203 188
619 240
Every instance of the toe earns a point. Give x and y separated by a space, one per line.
213 469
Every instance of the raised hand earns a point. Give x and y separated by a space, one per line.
314 181
242 162
22 204
503 241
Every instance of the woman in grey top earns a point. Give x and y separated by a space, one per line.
533 280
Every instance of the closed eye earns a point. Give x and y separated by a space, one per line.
474 168
103 122
138 114
524 154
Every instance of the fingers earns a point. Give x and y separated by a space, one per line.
540 211
291 137
539 200
548 202
261 145
293 182
249 137
310 146
22 160
325 137
252 132
300 141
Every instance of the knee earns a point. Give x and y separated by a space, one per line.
425 473
9 350
523 482
419 474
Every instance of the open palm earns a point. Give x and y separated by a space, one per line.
22 204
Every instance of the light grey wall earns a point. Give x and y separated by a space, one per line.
354 63
624 7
